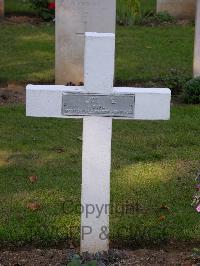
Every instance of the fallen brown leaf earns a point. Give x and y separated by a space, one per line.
162 218
33 178
34 206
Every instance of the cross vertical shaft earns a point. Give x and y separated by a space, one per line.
96 156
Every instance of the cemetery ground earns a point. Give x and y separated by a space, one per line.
153 170
27 53
154 164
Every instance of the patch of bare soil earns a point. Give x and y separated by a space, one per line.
12 94
13 19
184 22
34 257
19 18
15 93
160 257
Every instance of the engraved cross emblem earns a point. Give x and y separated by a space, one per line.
97 102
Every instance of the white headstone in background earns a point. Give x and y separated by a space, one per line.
97 102
196 67
1 8
73 19
181 9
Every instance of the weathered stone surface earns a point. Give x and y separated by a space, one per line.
73 19
196 67
177 8
1 8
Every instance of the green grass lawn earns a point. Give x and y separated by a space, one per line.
27 53
143 53
153 163
18 7
146 53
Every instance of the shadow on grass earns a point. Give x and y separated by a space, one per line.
150 195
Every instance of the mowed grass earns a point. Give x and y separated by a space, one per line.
27 53
142 53
18 7
148 53
153 164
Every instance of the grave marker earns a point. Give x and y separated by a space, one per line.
181 9
97 102
196 66
1 8
73 19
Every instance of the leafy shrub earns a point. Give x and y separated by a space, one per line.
76 261
128 12
191 92
157 19
45 8
175 81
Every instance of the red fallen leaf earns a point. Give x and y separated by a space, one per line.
33 178
34 206
162 218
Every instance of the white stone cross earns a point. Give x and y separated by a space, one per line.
97 102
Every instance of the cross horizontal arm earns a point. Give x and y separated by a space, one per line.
46 101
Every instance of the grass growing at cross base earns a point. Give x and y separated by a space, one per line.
152 183
142 53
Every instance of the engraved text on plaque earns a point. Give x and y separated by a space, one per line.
113 105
